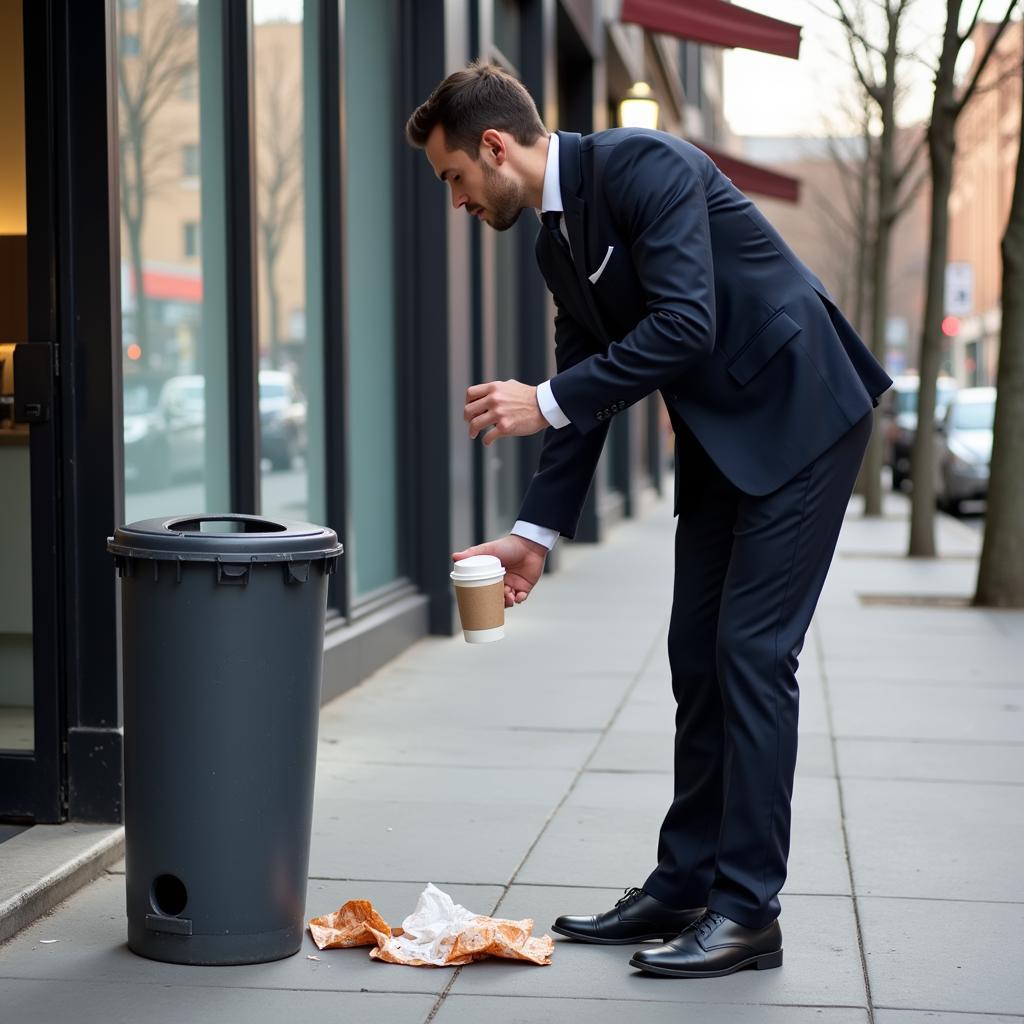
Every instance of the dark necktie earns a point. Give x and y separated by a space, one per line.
552 219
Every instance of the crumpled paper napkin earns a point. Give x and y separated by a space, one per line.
438 933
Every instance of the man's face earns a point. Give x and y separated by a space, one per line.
486 187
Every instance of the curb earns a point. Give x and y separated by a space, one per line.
54 861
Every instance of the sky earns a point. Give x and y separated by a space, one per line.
767 95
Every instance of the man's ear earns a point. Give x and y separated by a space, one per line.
492 143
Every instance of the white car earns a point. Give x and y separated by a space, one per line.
967 448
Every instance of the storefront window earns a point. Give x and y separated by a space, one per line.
173 314
287 224
373 132
507 31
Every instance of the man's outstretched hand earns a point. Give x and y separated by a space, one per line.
523 561
506 407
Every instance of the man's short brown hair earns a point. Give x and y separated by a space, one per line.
470 101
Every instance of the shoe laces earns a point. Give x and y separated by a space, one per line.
708 923
630 895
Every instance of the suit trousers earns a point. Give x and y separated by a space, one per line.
749 571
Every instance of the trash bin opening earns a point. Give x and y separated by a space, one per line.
221 524
169 895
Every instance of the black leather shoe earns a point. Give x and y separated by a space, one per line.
637 917
712 947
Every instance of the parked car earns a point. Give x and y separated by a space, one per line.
282 419
900 414
966 451
164 440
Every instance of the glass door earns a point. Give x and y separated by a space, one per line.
30 714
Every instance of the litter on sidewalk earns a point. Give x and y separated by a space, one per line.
438 933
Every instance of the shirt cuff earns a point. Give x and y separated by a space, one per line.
549 408
531 531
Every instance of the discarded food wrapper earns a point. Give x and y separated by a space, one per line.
354 924
438 933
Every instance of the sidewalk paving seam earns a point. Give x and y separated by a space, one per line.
1012 1015
600 735
665 1002
942 782
939 899
942 740
163 983
819 650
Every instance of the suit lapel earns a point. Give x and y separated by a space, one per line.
574 213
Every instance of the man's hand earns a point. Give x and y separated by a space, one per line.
523 561
508 407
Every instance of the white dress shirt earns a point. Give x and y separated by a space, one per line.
551 199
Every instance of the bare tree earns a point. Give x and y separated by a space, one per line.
1001 573
163 53
279 173
877 65
946 108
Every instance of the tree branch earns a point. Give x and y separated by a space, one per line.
916 150
980 66
853 35
974 22
907 201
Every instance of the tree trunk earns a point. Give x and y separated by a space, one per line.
887 213
1001 573
941 143
273 301
941 147
135 222
879 311
863 240
861 292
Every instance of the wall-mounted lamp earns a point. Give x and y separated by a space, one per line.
639 108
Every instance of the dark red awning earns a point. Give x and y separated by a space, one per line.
749 177
716 23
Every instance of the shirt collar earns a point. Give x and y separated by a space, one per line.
552 195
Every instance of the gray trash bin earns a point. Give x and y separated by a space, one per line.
222 648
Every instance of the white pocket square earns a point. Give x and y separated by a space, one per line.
604 263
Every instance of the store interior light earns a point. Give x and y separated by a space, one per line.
639 108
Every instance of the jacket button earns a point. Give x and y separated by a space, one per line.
600 414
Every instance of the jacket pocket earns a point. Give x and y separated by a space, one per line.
768 339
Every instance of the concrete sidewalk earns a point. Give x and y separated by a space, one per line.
529 778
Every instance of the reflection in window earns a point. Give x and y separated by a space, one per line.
172 312
507 31
191 243
374 132
291 361
190 160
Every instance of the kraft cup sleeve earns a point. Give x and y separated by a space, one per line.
482 607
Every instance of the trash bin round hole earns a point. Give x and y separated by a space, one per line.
222 524
169 895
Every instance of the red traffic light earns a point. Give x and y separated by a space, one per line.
951 326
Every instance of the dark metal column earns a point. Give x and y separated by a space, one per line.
87 304
243 317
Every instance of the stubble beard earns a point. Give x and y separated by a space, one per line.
504 198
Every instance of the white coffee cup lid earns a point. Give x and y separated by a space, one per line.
478 567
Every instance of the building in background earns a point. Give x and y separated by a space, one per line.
246 293
987 139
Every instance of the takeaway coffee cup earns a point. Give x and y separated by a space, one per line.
480 591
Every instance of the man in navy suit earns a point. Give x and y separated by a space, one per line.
667 278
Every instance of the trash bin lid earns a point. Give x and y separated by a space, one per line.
209 537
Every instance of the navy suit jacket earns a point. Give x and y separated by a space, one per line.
699 298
